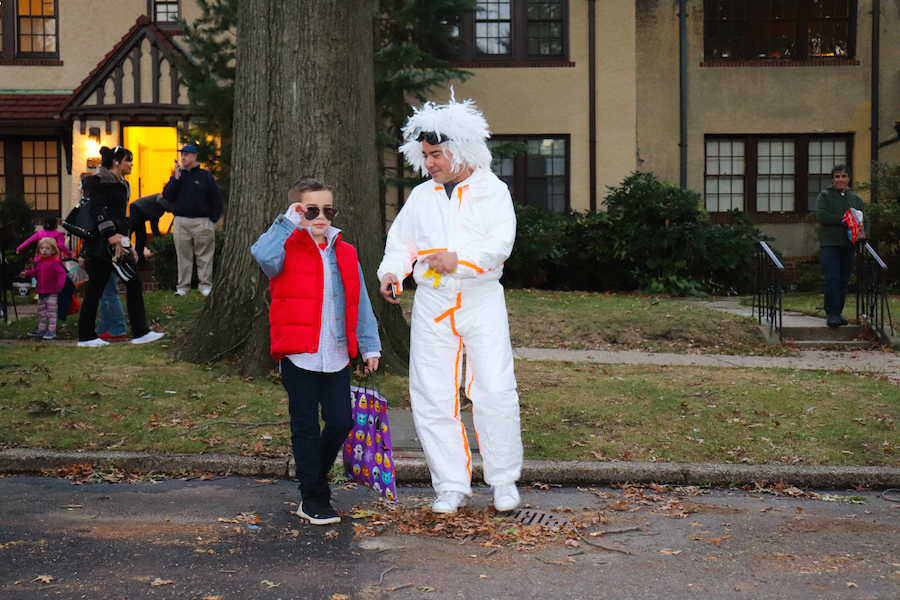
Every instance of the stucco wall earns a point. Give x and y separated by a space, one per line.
753 100
88 29
555 100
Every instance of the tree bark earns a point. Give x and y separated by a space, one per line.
304 107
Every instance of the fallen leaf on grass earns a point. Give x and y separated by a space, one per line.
270 584
44 578
669 551
572 543
158 582
850 584
718 541
767 509
425 588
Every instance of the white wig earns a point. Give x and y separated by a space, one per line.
461 123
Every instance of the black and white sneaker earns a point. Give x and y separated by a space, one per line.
318 511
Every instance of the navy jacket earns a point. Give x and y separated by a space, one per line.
195 194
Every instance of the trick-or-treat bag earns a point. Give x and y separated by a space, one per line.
853 218
368 458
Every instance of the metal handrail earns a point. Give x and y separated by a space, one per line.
768 289
871 292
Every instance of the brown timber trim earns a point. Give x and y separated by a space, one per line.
831 62
513 64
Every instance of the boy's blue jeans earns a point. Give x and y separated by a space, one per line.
315 450
837 266
112 317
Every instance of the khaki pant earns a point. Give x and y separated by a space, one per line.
194 237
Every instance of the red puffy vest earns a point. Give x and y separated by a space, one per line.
295 314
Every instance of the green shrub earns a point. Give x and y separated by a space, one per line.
165 261
654 237
666 241
539 250
15 211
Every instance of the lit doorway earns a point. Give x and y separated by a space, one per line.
155 151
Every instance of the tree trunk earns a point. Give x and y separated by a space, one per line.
304 107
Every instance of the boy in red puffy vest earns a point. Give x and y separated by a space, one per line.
320 317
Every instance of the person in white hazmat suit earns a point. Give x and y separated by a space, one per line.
453 234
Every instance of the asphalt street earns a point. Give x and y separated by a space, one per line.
201 539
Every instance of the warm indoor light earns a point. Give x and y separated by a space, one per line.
93 142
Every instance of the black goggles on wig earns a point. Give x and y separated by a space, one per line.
313 211
430 137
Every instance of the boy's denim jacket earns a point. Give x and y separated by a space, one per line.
269 253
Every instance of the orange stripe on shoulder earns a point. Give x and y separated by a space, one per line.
431 251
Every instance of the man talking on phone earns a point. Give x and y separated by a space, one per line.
197 205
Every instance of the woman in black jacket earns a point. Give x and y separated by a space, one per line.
109 244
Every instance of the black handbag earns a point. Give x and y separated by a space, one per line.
79 221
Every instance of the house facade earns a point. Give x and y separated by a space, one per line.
748 102
75 76
768 96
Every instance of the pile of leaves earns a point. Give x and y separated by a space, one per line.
483 526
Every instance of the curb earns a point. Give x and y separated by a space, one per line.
19 461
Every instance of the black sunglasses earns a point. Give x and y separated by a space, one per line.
430 137
313 211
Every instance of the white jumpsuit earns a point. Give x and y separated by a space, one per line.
461 312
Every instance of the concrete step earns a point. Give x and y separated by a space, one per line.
823 333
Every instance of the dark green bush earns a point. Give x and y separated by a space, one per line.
15 212
653 237
165 261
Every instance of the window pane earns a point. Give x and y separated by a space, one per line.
824 154
492 27
40 174
724 183
829 9
829 38
165 10
37 27
544 27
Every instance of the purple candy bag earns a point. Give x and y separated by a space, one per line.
368 458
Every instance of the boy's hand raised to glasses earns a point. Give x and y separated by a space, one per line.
293 213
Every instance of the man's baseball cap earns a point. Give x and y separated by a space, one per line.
189 148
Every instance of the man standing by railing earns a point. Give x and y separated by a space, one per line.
837 250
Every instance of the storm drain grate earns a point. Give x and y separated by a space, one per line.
528 516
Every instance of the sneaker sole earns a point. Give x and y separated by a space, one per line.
441 511
316 520
505 507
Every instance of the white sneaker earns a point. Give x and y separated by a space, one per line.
448 502
506 497
205 292
150 336
94 343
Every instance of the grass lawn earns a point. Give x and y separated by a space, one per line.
124 397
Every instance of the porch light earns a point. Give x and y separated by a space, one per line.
93 142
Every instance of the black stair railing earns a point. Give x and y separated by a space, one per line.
768 288
871 292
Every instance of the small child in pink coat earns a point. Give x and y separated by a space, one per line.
49 231
51 277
